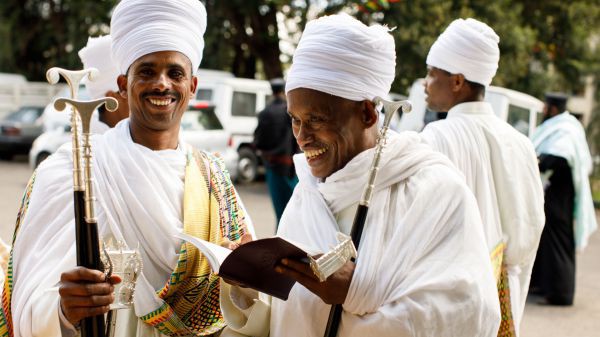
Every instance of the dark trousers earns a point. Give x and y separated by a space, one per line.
280 189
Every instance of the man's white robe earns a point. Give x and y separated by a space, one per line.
422 263
140 201
500 167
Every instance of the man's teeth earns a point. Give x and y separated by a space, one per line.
313 153
160 101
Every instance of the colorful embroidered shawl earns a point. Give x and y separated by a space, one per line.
212 213
6 326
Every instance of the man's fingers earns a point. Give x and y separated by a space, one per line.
87 301
300 267
82 274
74 315
115 279
246 238
85 289
302 278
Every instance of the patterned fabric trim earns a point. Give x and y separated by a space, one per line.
212 213
496 256
507 324
6 324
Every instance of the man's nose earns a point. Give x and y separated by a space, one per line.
162 82
303 135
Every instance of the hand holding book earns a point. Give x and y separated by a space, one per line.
253 264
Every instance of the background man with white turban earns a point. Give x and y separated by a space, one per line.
498 162
420 272
149 185
96 54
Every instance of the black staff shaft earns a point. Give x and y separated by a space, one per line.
335 314
88 255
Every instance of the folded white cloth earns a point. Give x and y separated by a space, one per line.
341 56
96 54
467 47
141 27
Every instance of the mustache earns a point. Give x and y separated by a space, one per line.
166 93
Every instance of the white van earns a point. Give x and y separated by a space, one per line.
518 109
237 102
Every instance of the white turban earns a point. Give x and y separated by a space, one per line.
341 56
467 47
141 27
96 54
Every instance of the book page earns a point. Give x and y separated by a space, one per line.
215 254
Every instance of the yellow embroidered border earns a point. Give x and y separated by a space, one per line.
507 324
6 324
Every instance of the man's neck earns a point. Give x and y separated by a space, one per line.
154 139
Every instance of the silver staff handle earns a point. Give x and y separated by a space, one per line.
86 109
73 78
389 109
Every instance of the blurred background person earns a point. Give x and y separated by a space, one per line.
565 165
274 139
96 54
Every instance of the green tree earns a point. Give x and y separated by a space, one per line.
38 34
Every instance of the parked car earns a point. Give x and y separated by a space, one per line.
18 131
237 103
518 109
200 127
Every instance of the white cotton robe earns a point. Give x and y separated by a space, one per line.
500 167
140 201
422 267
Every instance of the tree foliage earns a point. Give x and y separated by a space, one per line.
544 45
38 34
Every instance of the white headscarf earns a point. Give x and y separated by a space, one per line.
341 56
467 47
141 27
96 54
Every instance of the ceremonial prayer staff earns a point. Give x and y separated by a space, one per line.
389 108
86 227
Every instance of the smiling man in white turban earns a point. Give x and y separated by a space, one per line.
498 162
96 54
420 272
149 186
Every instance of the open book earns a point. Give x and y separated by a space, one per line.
252 264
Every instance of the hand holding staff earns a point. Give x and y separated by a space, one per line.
86 228
389 109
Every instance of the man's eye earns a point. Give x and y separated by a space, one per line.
146 72
316 119
177 74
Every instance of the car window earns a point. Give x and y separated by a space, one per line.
519 118
204 94
25 115
243 104
200 119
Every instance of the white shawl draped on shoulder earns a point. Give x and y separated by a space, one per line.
500 167
564 136
423 267
140 197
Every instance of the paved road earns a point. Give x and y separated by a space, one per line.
581 320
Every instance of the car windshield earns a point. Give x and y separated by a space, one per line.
201 119
26 115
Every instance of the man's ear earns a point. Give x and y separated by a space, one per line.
458 82
369 113
193 86
122 83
